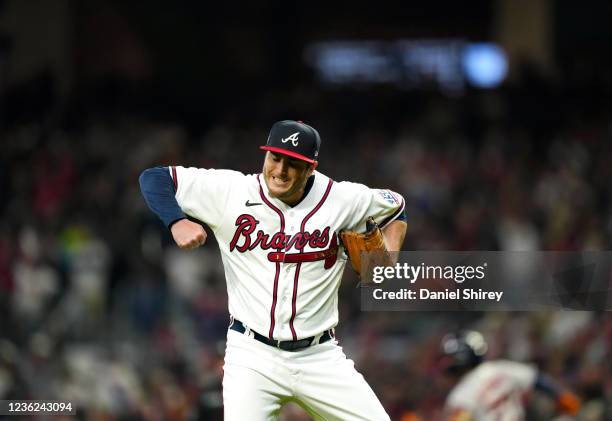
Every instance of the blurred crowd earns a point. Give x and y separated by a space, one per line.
98 307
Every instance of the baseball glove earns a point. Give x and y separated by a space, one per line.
370 241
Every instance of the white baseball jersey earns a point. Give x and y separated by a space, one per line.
493 391
282 264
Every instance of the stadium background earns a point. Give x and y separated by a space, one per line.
98 307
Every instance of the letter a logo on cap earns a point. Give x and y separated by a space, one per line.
293 138
305 140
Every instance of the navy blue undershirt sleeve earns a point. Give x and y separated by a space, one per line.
402 216
158 191
547 385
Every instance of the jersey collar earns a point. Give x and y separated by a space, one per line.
309 184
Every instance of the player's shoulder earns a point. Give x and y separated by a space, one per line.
353 186
502 364
224 172
348 188
210 172
513 369
238 178
340 190
211 179
352 189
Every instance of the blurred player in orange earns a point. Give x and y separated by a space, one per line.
492 390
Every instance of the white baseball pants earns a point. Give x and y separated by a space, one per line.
258 379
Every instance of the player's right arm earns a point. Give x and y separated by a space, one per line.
394 234
567 402
527 376
158 190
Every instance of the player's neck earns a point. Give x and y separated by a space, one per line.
300 195
293 201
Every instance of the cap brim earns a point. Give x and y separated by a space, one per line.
288 153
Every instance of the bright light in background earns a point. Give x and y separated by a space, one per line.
346 62
409 64
485 65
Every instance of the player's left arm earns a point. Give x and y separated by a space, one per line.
528 376
394 231
566 401
389 210
394 234
383 207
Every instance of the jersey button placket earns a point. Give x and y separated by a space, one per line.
287 280
291 233
282 313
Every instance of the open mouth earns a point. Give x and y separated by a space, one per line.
279 181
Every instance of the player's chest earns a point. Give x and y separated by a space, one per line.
291 230
257 224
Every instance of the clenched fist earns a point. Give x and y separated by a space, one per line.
187 234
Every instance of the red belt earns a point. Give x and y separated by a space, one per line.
328 255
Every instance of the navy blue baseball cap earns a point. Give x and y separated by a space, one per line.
295 139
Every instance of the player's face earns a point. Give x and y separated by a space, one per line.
286 177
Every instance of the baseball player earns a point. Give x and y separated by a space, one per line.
493 390
278 236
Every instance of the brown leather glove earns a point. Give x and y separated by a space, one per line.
371 241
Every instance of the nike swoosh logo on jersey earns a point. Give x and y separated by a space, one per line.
247 203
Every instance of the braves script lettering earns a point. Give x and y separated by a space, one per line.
244 239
